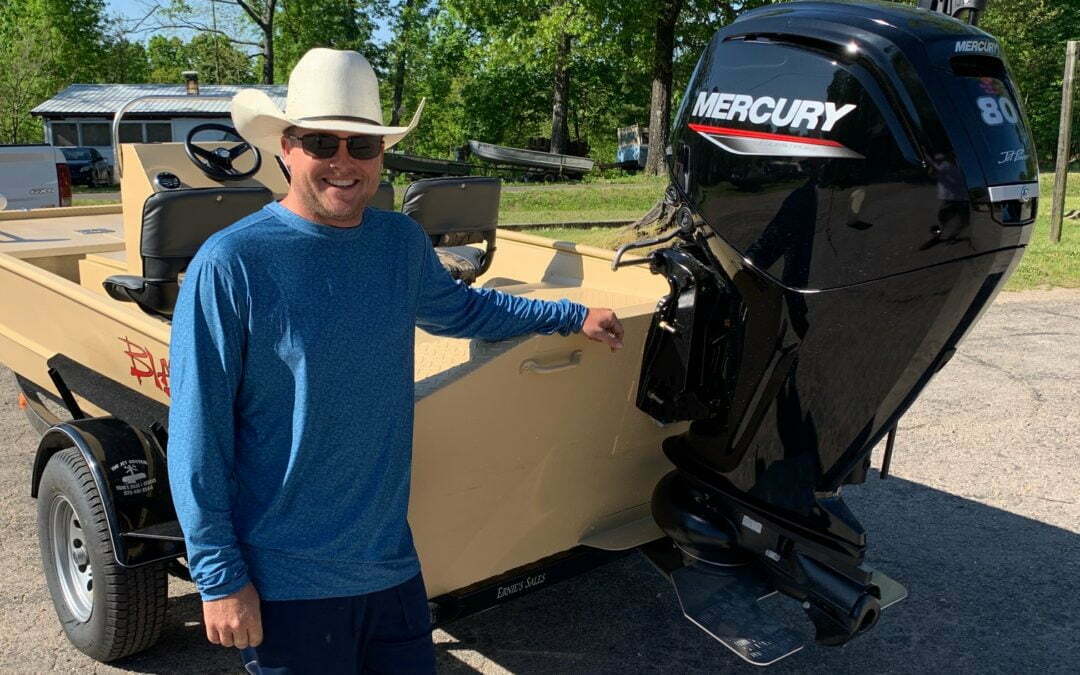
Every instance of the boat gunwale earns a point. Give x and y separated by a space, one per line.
71 290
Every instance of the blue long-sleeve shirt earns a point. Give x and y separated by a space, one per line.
290 430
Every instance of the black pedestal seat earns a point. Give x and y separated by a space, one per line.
456 212
174 225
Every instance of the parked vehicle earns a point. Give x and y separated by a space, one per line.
34 177
773 338
633 149
88 167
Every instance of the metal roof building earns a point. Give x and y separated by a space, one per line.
82 113
96 100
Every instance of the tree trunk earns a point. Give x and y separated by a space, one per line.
560 130
660 107
399 67
262 15
268 57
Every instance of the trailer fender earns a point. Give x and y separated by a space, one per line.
131 477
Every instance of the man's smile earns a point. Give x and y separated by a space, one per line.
340 183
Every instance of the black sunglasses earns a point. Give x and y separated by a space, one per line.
324 146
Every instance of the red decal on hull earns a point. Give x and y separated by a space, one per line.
143 366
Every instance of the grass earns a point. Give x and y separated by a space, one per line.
85 189
591 202
1044 265
94 202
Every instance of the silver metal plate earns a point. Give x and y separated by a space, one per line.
724 602
1007 193
892 591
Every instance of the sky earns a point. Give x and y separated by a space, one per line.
133 9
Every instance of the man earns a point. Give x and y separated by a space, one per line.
292 377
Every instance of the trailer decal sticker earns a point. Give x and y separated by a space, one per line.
143 366
530 582
747 142
134 480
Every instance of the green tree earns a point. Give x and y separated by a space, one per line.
45 45
124 61
338 24
215 59
686 26
410 35
218 62
167 58
24 77
244 23
667 17
1033 34
537 34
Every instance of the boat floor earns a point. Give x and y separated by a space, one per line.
27 238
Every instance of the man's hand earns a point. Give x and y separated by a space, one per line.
602 325
234 621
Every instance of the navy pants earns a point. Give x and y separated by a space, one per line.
384 632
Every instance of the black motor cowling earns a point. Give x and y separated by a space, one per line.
862 182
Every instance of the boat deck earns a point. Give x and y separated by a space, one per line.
38 237
88 248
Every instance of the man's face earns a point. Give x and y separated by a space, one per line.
331 191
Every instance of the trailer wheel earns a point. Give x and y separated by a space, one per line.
107 611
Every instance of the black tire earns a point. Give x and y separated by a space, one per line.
126 606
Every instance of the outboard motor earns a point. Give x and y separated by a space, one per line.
852 184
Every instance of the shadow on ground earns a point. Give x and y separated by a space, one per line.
990 592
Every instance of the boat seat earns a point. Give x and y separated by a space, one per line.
456 212
175 223
384 197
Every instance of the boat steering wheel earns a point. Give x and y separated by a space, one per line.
217 164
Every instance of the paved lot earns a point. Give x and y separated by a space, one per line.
981 521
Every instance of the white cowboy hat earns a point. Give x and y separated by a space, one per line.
330 90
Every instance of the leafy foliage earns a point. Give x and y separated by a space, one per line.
304 24
46 45
215 59
1033 34
487 67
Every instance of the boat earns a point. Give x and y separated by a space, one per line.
578 478
773 337
547 163
416 165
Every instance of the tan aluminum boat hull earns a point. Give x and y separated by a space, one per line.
523 449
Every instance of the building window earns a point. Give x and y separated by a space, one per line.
96 134
158 132
130 132
65 133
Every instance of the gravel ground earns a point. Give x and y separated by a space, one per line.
981 522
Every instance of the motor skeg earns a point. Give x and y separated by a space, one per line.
859 182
